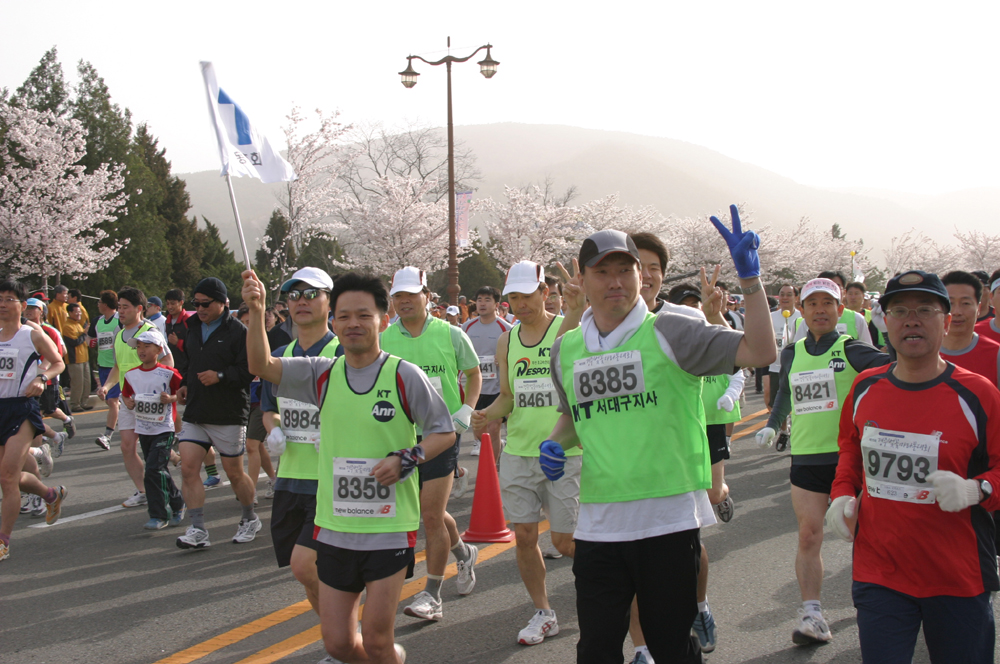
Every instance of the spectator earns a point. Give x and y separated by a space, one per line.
74 297
154 307
57 308
75 337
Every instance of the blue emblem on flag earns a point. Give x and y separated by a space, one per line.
242 121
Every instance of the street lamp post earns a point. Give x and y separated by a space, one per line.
487 67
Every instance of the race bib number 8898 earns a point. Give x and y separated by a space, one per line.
609 375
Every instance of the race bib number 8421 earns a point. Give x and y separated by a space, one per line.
608 375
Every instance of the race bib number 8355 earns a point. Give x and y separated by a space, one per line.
608 375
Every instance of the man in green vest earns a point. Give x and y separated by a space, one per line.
816 375
367 496
131 307
102 332
851 323
528 399
629 385
294 429
442 351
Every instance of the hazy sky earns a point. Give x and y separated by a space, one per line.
895 95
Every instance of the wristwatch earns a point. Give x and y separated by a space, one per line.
220 375
752 289
986 488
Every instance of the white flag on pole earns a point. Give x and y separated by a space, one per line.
243 150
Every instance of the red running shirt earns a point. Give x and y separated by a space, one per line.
911 547
983 358
985 328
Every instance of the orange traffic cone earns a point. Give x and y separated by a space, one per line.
487 523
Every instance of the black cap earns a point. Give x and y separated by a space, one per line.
602 243
680 296
213 288
916 281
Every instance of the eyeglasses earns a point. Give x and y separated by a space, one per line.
308 293
923 312
9 300
202 303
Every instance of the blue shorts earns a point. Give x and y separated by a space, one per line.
115 391
13 413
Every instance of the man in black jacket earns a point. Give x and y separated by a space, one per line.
216 391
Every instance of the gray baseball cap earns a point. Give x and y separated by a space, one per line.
596 247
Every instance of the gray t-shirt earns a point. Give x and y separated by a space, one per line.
484 339
307 379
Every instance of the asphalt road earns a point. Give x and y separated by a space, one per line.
97 588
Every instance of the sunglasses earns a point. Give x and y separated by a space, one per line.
308 293
202 303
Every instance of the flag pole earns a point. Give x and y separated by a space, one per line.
239 226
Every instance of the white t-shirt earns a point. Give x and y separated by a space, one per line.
784 333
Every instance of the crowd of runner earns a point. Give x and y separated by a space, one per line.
610 405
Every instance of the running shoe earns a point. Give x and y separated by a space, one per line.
725 510
4 551
177 517
424 606
466 578
103 442
330 659
155 524
53 509
60 443
461 484
540 626
194 538
135 500
69 427
26 502
641 657
247 530
552 553
475 448
38 506
269 488
704 629
782 443
812 629
44 457
401 651
212 481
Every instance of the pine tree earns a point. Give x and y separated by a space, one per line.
218 260
45 88
269 270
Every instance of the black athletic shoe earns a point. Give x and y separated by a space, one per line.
782 443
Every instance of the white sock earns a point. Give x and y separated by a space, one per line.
703 606
547 612
812 606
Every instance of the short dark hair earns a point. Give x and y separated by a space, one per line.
554 283
75 292
72 306
831 275
352 281
958 277
133 296
856 284
491 291
794 288
19 290
110 299
174 294
244 309
981 275
650 242
723 285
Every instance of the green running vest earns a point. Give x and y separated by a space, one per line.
535 397
645 438
300 459
126 356
433 352
712 389
106 332
360 429
849 322
819 384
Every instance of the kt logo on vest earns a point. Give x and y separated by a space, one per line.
523 368
383 411
838 364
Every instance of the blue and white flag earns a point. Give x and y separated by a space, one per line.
243 150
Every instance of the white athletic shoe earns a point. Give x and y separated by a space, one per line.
44 458
401 651
137 499
60 443
812 629
466 578
38 506
247 531
540 626
725 509
194 538
461 484
475 448
26 502
552 553
424 606
269 490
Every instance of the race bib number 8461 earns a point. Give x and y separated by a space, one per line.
608 375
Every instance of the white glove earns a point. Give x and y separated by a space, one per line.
878 317
842 509
953 493
275 441
725 403
765 437
462 419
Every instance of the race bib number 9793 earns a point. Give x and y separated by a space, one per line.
608 375
897 464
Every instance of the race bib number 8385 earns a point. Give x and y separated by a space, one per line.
608 375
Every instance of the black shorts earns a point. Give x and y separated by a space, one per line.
440 466
486 400
49 400
14 412
292 516
774 378
255 426
818 479
348 570
718 448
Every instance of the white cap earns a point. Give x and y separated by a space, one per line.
452 310
313 276
408 280
151 336
524 277
996 285
821 286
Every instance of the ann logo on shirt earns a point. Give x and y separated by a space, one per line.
383 411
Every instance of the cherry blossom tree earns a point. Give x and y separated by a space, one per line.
978 251
605 213
51 210
528 226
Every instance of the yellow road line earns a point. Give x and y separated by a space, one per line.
753 416
749 431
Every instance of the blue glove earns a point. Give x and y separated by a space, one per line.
742 246
552 459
